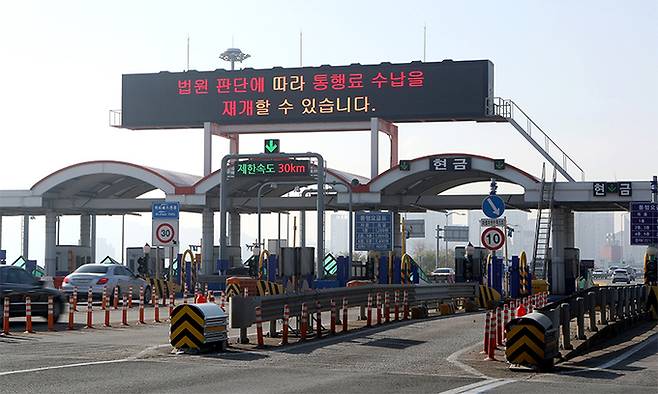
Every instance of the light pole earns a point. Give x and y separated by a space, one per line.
233 55
445 238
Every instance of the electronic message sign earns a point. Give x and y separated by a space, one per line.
285 167
409 92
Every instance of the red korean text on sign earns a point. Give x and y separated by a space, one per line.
201 86
184 86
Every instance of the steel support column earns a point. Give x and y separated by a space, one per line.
51 243
562 237
25 236
207 241
85 230
92 242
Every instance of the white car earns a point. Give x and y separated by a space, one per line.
443 275
620 275
110 276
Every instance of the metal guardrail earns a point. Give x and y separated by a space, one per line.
243 309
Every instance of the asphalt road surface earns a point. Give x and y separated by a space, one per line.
428 356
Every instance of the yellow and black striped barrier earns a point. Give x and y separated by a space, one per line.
531 341
233 289
447 308
487 297
198 326
162 287
269 288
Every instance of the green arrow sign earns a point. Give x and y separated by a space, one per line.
272 146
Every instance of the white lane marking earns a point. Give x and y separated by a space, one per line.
62 367
489 386
453 360
458 390
131 358
619 358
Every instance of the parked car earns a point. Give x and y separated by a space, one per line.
443 275
620 275
110 276
16 283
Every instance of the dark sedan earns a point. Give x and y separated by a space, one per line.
16 284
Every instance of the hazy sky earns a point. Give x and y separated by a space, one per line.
585 71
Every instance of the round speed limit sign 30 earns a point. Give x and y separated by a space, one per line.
165 233
493 238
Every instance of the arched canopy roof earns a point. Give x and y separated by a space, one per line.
112 179
420 180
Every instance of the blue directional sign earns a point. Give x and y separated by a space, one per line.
373 231
493 206
165 210
644 223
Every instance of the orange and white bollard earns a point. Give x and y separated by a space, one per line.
499 327
90 309
222 301
130 297
28 315
205 291
141 305
51 316
104 299
286 319
379 308
369 315
124 311
71 312
505 321
106 322
318 319
333 317
259 328
405 300
171 305
5 316
115 301
344 314
487 324
491 347
303 326
156 309
75 298
185 294
387 308
396 306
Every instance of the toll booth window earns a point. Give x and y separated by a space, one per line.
91 269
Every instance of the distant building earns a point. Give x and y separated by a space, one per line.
592 228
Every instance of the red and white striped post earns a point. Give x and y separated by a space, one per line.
71 312
115 301
90 309
104 299
303 326
130 296
344 314
505 321
286 318
75 298
171 305
124 311
141 305
369 313
259 328
153 300
387 308
318 319
156 308
28 315
487 327
222 301
379 308
51 315
499 327
396 306
5 316
185 293
405 300
333 317
205 291
106 323
491 348
530 307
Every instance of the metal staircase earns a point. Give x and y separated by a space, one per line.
543 229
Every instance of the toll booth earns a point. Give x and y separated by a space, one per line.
69 257
470 268
495 274
297 266
157 255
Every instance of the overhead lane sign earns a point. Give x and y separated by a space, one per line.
272 145
408 92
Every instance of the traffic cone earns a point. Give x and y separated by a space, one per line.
51 318
344 314
318 319
369 311
487 325
71 313
333 317
259 328
286 317
5 316
28 315
90 309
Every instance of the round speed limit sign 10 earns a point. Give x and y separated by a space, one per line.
165 233
493 238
